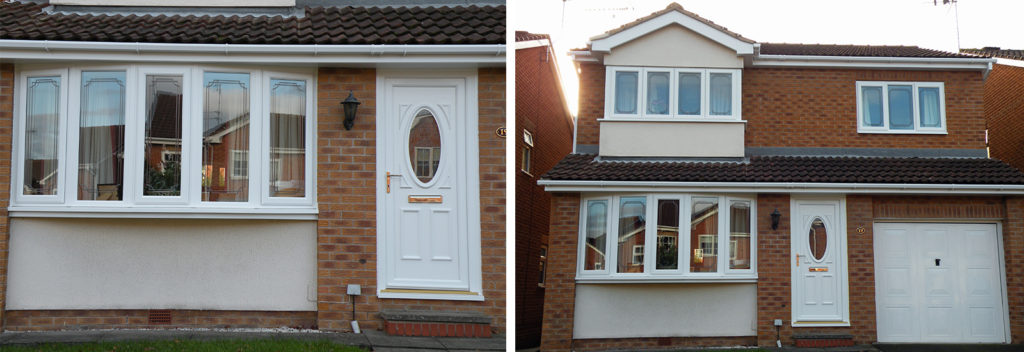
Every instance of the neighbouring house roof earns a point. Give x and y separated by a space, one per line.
318 25
1013 54
801 169
855 50
522 36
670 8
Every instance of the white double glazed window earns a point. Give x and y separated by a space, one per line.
672 93
174 137
901 107
640 236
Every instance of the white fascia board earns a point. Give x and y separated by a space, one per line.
918 63
605 44
246 53
1009 62
778 187
583 56
532 44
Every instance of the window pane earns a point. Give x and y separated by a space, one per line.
425 143
162 148
817 239
901 112
871 106
597 235
631 234
721 93
739 235
287 138
704 235
101 136
657 93
929 106
689 93
625 92
225 137
668 234
42 118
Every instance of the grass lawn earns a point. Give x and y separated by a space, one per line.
189 345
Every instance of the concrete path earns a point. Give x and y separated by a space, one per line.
370 340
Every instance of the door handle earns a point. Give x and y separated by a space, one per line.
797 260
387 181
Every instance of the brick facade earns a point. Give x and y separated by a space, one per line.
6 133
38 320
540 109
800 107
1004 111
346 193
559 300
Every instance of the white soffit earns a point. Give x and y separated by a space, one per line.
606 44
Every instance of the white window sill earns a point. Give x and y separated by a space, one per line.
900 132
666 279
668 119
165 212
432 295
798 324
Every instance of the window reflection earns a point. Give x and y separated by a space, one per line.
101 136
162 149
597 235
287 138
818 239
704 235
739 235
42 118
225 137
631 234
668 234
425 145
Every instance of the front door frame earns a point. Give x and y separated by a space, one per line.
472 186
842 261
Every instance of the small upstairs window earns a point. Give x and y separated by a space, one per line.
901 107
672 93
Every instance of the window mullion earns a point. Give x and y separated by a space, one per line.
650 236
130 177
195 138
885 106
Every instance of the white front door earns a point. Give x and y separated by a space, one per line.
819 263
427 174
938 283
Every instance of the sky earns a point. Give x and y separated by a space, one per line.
874 22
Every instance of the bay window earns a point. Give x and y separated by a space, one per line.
651 244
672 93
165 138
901 107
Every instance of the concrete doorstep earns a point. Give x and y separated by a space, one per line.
370 340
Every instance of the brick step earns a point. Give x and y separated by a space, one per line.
438 324
823 340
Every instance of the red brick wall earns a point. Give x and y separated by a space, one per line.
37 320
1004 109
540 110
6 132
560 298
796 107
1013 251
660 343
346 192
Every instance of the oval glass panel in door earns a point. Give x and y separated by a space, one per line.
425 145
818 239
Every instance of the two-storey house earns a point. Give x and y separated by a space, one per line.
211 164
836 195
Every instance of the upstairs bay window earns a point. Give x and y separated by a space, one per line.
672 93
901 107
134 137
651 243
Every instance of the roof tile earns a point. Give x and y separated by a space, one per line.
855 50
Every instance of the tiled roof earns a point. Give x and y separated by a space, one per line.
522 36
675 7
996 52
320 25
855 50
802 169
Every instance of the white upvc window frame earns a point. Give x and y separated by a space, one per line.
915 104
673 113
19 148
189 203
682 272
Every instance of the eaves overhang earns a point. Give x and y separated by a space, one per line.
780 187
605 43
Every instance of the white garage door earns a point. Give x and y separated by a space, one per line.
938 283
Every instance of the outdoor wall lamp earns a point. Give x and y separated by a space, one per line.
776 216
350 104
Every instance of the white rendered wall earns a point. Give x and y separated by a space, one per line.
673 46
162 264
664 310
190 3
671 139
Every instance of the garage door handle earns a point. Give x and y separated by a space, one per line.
937 260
